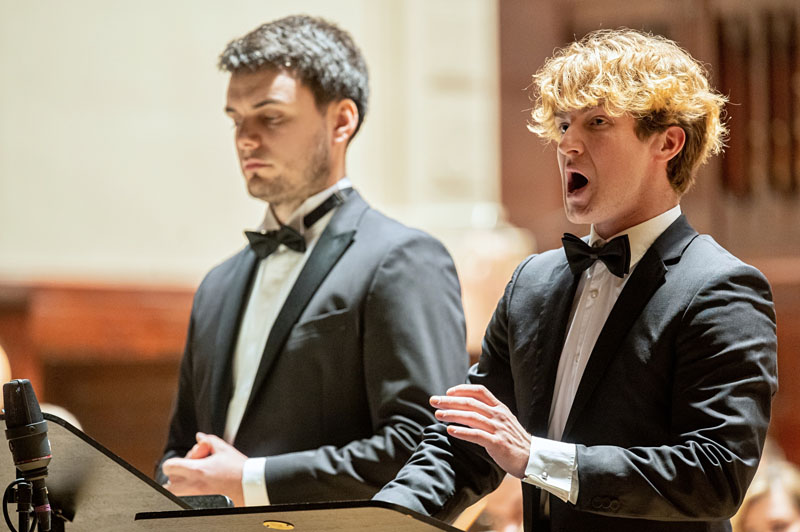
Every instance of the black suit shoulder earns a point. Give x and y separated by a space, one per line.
219 278
706 255
387 233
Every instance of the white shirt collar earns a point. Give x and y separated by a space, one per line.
295 220
642 236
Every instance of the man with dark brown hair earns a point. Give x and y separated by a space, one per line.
312 352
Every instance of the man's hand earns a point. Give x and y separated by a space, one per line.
201 449
488 423
211 467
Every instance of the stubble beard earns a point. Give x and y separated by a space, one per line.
281 189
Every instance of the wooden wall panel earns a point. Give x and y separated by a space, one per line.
76 321
733 36
14 336
125 405
530 184
108 354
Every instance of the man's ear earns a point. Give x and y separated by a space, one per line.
670 143
344 117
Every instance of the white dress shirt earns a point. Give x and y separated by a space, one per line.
552 465
274 280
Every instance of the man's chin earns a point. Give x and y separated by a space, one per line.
577 214
262 188
581 219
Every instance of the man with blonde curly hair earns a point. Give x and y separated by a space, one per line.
633 392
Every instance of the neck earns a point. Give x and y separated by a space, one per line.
282 211
660 198
606 230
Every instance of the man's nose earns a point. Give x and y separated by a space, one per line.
570 142
247 137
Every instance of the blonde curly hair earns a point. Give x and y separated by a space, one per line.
648 76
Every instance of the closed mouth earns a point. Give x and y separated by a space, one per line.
249 165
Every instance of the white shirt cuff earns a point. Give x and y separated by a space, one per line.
254 485
552 467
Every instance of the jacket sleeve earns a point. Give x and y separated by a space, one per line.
413 346
184 421
445 474
183 424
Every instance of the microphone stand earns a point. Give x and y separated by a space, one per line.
21 492
24 496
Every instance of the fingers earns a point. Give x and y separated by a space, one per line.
200 450
476 420
218 472
447 402
177 471
178 467
207 444
212 441
471 405
186 476
476 391
509 446
476 436
181 486
475 415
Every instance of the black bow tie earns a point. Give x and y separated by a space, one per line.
264 244
616 254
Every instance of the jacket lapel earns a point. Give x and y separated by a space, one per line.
551 326
649 274
331 245
233 307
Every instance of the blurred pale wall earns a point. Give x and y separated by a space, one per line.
117 163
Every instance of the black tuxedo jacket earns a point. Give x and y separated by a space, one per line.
372 327
670 414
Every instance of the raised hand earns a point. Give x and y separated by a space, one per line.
477 416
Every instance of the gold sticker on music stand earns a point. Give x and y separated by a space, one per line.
279 525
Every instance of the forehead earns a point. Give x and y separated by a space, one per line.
266 86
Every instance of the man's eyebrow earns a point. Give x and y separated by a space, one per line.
262 103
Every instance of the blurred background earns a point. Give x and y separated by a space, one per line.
119 186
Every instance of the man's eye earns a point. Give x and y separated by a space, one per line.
562 128
599 121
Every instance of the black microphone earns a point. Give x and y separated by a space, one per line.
26 431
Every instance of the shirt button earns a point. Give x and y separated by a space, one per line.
544 475
593 293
